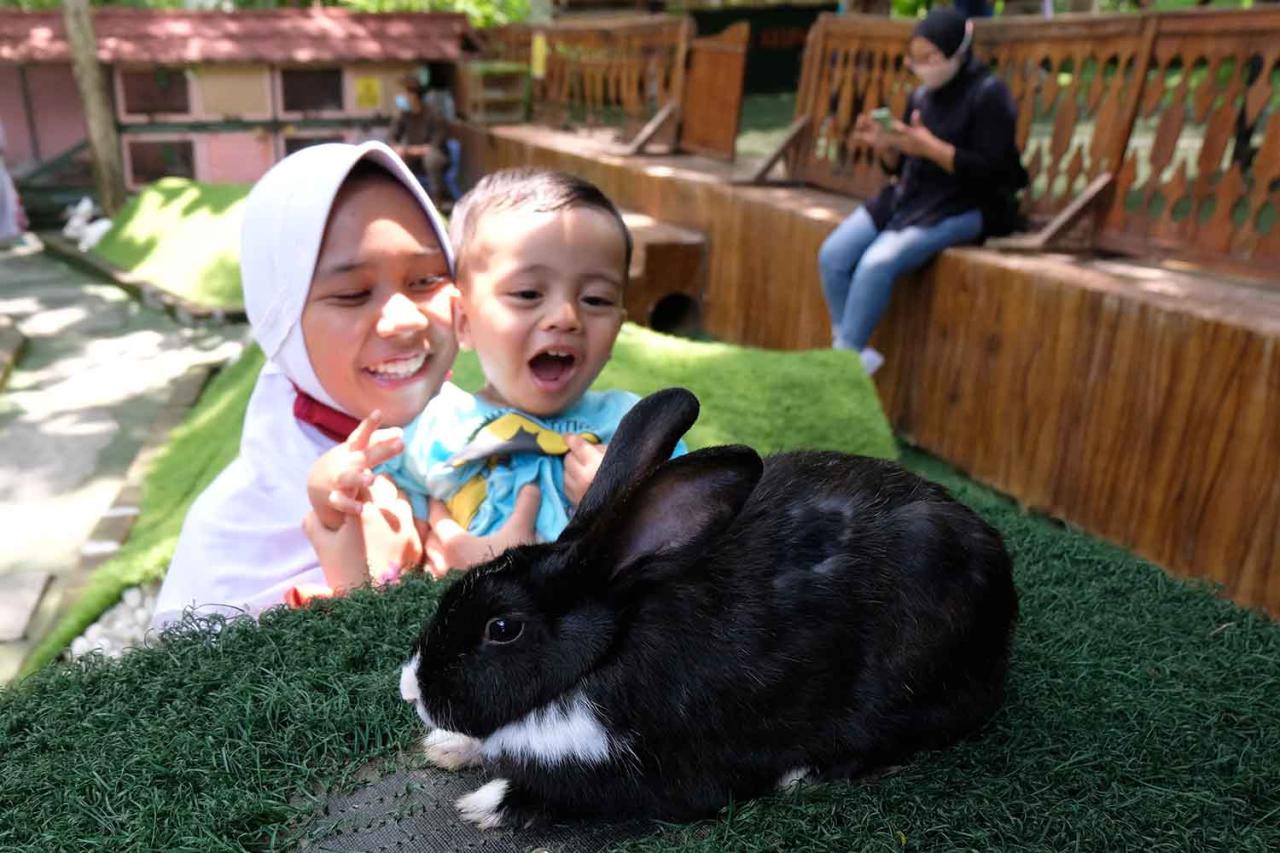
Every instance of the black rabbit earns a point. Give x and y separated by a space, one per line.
714 626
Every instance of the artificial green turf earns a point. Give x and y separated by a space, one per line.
1143 714
728 379
765 119
184 237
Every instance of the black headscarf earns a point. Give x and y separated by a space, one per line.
944 28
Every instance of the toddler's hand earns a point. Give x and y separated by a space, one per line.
392 543
449 546
375 545
580 466
339 480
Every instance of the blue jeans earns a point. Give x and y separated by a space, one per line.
859 264
454 147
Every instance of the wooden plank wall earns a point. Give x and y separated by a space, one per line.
1148 417
1145 415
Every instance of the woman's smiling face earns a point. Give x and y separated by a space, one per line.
378 319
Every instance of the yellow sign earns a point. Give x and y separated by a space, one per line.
368 93
538 56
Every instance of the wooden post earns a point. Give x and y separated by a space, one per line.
104 141
794 132
29 113
1118 144
669 113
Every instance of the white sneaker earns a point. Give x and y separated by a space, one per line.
871 360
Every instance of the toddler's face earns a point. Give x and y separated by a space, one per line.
542 303
378 321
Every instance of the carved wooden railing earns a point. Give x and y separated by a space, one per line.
509 43
1201 171
604 70
1181 108
1072 82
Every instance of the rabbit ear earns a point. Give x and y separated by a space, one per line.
645 438
668 521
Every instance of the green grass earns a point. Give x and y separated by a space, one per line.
182 236
1143 714
729 380
765 119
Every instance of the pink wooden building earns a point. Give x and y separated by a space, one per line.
210 95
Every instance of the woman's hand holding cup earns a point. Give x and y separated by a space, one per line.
880 135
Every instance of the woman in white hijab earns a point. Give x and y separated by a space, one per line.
347 279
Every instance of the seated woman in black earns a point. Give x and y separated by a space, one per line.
957 168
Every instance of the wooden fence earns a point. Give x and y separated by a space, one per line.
634 69
601 70
711 103
1181 108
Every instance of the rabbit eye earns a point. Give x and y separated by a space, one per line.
503 630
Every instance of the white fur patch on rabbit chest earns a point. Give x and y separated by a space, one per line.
564 730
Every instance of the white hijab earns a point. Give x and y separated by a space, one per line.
242 545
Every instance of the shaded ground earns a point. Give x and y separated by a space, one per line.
96 368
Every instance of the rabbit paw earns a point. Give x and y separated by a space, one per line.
794 777
450 750
483 806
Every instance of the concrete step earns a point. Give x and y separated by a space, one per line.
97 374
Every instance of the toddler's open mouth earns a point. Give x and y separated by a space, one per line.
552 368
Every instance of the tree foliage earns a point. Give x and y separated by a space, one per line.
482 13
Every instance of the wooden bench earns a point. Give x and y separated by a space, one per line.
1165 123
667 87
1136 401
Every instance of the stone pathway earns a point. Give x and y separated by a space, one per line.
97 369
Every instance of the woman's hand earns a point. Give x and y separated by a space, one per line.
376 544
916 140
449 546
339 480
340 551
868 131
580 466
